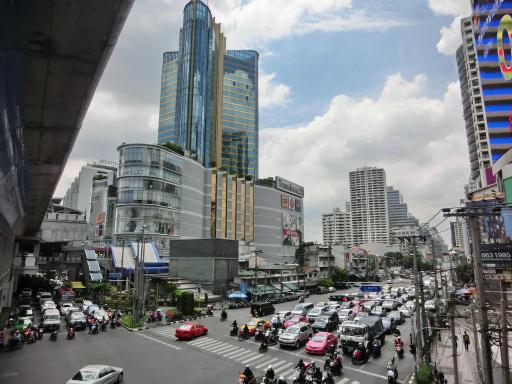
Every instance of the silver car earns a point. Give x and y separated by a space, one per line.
97 374
345 314
296 335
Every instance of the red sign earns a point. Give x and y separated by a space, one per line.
290 232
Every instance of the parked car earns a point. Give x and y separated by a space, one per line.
398 316
303 309
326 323
190 330
296 335
97 374
315 312
389 325
254 323
320 343
76 320
345 314
378 311
295 319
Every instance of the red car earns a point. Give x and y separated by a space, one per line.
294 320
321 342
190 330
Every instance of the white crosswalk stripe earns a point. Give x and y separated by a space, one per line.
343 381
213 346
243 355
205 343
200 341
278 364
257 357
292 373
232 353
227 348
267 362
283 367
355 382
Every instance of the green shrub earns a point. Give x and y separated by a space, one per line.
425 374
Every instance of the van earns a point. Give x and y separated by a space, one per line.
262 309
303 309
51 319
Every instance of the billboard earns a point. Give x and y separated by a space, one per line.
284 200
288 186
293 227
100 218
492 28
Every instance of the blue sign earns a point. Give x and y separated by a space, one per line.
114 275
370 288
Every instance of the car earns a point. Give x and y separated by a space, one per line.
405 311
345 314
66 307
389 325
346 304
303 309
321 304
48 304
254 323
334 305
331 290
360 315
295 335
91 309
97 374
410 305
283 315
368 305
295 319
101 314
390 305
25 311
44 296
76 320
378 311
320 343
315 312
326 323
190 330
21 324
85 304
430 305
398 316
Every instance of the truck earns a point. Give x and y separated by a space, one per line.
51 319
362 332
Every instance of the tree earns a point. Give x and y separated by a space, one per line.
339 276
268 182
173 147
465 273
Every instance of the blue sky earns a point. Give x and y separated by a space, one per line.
343 84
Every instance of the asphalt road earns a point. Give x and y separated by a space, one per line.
155 356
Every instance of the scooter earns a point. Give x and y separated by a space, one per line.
399 351
71 333
233 331
53 335
30 337
335 368
376 350
359 356
263 347
391 376
242 335
40 332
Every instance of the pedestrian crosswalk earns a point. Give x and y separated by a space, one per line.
242 355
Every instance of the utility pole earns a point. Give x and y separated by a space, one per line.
454 340
419 343
476 342
505 372
135 306
424 321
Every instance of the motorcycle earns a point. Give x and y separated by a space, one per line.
233 331
376 350
259 335
223 316
335 368
399 351
242 335
40 332
53 335
94 329
359 356
268 380
30 337
328 379
71 333
112 324
263 347
391 376
15 343
271 337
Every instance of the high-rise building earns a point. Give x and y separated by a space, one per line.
337 228
397 210
485 74
456 229
209 96
368 205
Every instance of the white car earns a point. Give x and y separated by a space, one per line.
85 304
430 305
410 305
97 374
66 307
48 304
283 315
405 311
345 314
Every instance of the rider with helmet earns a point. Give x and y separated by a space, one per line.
270 375
248 374
281 380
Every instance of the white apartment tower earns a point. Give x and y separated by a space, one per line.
336 228
368 206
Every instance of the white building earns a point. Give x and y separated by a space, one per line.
337 228
368 205
457 229
78 196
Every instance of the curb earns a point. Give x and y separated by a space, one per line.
411 379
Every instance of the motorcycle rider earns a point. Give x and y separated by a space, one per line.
315 372
270 375
392 365
246 331
328 379
399 342
300 365
337 362
223 314
376 345
281 380
248 374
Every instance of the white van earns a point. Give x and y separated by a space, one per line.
51 319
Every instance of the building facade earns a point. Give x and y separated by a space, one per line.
337 228
486 89
368 205
209 96
398 214
457 235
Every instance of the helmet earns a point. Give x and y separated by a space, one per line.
398 338
312 363
270 366
247 366
281 378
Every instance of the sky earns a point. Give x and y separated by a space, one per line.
342 84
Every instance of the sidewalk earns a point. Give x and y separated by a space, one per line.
441 354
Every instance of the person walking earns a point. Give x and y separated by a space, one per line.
465 340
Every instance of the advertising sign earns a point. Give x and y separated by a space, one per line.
298 205
284 200
100 218
499 255
370 288
288 186
292 203
292 229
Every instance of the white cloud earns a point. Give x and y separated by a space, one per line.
272 94
419 141
451 37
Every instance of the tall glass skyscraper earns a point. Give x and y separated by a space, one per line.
209 96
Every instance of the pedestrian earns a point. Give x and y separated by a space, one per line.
465 340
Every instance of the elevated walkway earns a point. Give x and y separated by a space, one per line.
93 271
124 258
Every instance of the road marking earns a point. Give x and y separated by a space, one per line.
257 357
233 353
343 381
158 341
213 346
243 355
206 343
283 368
292 371
224 349
355 382
267 362
200 341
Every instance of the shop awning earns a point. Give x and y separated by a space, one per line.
263 290
77 285
95 276
292 286
282 288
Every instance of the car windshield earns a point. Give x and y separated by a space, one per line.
345 304
84 376
315 311
186 327
353 331
319 338
77 315
52 317
293 330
